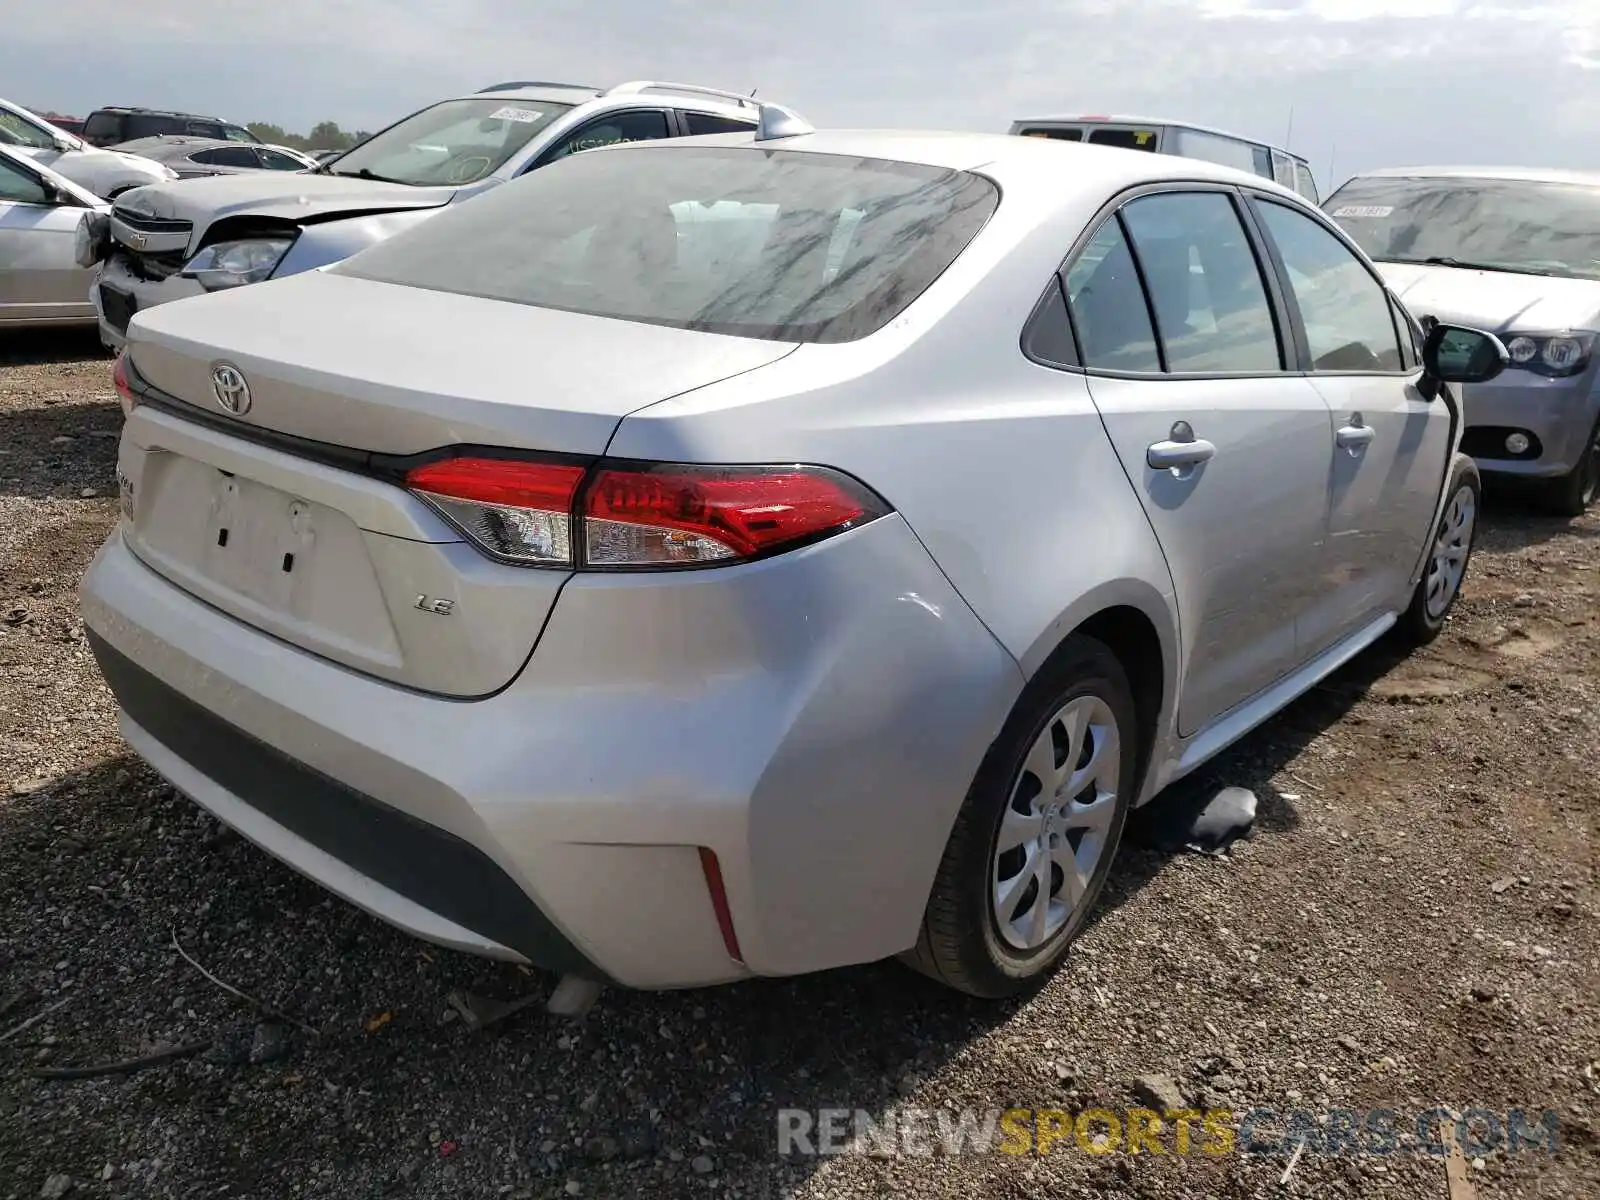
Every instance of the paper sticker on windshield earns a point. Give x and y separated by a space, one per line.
1363 210
526 115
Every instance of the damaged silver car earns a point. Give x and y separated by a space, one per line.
205 235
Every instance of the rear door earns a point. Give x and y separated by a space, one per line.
1386 461
1181 335
39 278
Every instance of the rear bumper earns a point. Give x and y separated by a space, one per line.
814 720
1558 413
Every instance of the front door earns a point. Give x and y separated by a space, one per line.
1226 447
39 278
1390 446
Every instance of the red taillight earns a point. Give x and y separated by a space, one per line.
659 516
514 509
639 515
124 386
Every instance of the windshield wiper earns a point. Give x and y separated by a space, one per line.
1467 264
363 173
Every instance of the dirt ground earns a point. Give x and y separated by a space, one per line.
1413 923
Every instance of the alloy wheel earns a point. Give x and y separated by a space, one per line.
1450 549
1056 824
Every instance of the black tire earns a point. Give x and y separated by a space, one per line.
959 944
1573 493
1418 626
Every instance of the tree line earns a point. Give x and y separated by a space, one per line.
324 135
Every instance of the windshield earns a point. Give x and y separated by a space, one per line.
456 142
756 243
1506 224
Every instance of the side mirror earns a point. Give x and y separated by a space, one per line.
1457 354
64 146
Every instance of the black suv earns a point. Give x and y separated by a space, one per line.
115 125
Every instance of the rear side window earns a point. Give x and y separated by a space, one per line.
1304 183
276 160
1060 135
1261 160
1212 311
699 123
765 243
1126 139
228 156
140 126
1108 305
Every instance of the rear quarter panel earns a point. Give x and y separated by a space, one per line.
1001 466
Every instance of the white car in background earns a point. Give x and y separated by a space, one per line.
106 173
41 279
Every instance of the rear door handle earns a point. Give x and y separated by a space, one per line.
1351 437
1168 456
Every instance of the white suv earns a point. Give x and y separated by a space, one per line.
106 173
168 242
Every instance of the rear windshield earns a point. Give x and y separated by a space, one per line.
758 243
1516 225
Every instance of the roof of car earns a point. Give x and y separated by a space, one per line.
557 93
184 142
679 95
1522 174
127 109
1107 166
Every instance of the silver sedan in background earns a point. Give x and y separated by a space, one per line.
196 157
727 556
1516 251
42 281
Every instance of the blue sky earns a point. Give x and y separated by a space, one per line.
1371 82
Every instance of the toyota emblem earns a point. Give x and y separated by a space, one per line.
233 393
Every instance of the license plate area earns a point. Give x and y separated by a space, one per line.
256 539
297 569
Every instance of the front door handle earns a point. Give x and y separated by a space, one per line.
1353 437
1172 456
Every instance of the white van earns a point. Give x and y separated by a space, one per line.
1161 136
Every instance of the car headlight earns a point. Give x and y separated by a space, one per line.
1554 354
229 264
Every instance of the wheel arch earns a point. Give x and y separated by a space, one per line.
1139 625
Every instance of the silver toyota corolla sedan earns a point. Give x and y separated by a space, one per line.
737 556
1515 251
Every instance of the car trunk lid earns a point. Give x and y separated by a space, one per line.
278 514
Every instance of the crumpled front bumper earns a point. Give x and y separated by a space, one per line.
118 294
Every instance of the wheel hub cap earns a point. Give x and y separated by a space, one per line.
1053 832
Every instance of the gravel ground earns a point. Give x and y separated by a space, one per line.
1412 923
